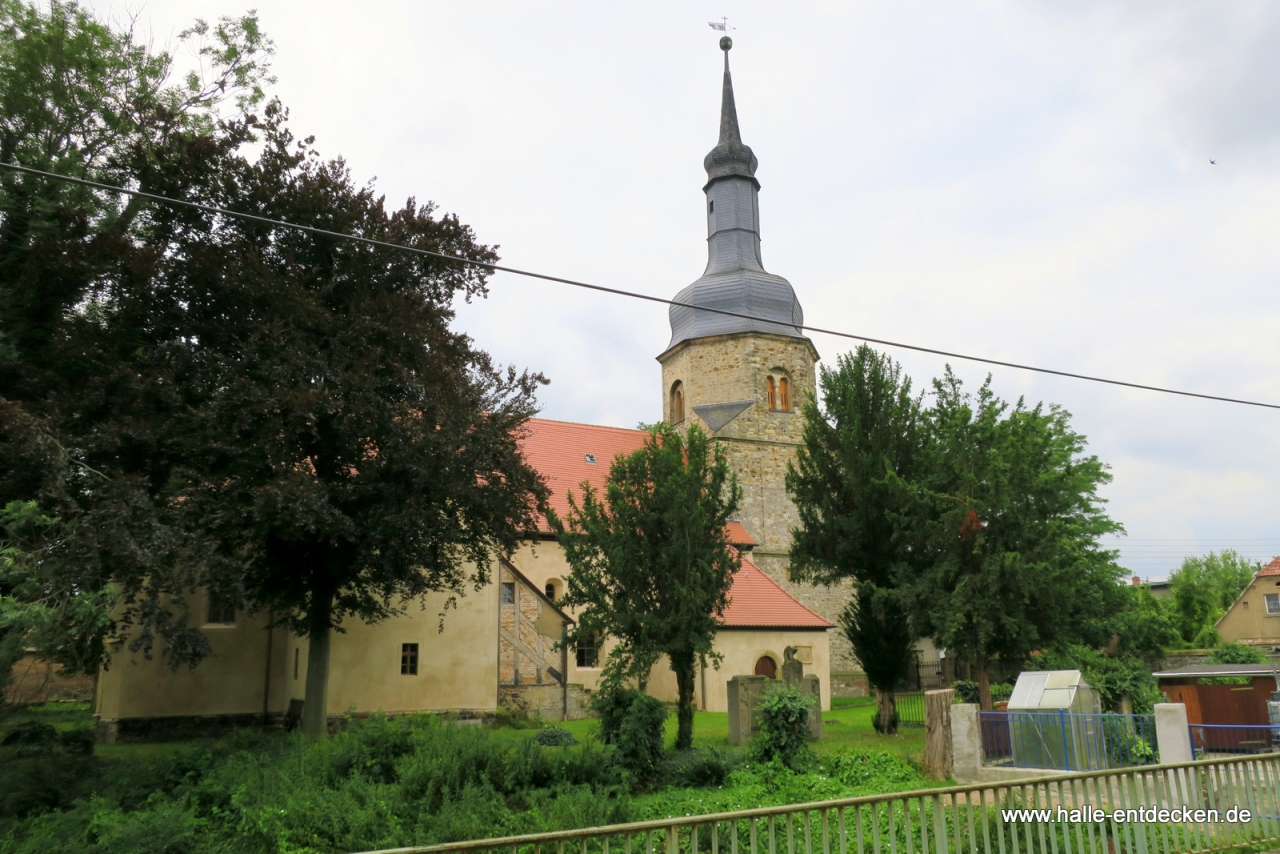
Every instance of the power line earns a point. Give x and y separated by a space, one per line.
620 292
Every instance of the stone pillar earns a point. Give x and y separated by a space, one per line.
744 700
966 742
938 761
1173 736
812 688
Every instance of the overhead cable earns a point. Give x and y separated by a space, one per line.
624 293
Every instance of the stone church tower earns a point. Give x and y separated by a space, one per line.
744 380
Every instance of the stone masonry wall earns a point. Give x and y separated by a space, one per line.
759 443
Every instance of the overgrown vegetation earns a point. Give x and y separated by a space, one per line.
379 783
1112 676
784 727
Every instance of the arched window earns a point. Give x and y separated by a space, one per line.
766 666
677 402
778 390
550 590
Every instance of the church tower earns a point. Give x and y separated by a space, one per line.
744 380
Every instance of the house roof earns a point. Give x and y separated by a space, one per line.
1272 568
738 536
757 602
562 452
1193 671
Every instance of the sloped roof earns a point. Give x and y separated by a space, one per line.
738 536
1272 568
1192 671
757 602
560 451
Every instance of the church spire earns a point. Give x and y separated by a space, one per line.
730 156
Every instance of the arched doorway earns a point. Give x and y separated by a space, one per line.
766 666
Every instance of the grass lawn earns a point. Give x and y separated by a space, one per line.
846 726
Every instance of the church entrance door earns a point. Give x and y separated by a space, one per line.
766 666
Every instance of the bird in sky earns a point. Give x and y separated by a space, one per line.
1213 162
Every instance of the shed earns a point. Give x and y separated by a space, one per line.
1054 722
1221 693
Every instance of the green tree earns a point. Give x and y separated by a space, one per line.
82 99
854 483
1143 625
1014 559
1203 588
343 449
1114 677
651 568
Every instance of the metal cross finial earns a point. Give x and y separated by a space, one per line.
722 25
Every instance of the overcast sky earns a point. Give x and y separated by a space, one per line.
1026 182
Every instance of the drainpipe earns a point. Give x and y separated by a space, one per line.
564 671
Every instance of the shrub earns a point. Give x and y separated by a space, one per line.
967 691
784 726
612 704
699 769
555 737
639 738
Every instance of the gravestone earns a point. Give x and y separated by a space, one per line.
745 693
792 669
811 687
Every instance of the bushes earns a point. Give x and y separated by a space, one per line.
967 691
784 727
632 721
555 737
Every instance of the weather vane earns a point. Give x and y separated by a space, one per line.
723 26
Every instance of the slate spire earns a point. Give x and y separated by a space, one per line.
730 156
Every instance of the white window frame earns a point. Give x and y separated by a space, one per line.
1272 601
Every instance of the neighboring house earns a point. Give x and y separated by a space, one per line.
1254 618
742 380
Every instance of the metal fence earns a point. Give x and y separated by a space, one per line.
1210 740
966 819
1067 742
910 707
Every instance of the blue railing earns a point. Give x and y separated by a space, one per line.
1066 741
1210 740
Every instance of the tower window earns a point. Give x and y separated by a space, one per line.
550 590
677 402
409 659
778 390
711 206
508 593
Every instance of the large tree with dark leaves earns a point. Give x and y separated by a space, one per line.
282 418
854 483
83 99
651 566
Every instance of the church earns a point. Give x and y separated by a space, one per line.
740 378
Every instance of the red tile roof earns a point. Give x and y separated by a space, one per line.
738 536
559 449
757 602
1272 568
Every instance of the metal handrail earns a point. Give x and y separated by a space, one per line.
1200 782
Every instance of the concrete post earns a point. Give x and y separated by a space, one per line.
966 741
1173 736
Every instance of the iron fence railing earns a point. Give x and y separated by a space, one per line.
1105 812
1210 740
1066 741
910 707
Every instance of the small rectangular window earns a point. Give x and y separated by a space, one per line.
222 609
1273 603
508 593
588 653
295 664
711 206
409 659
